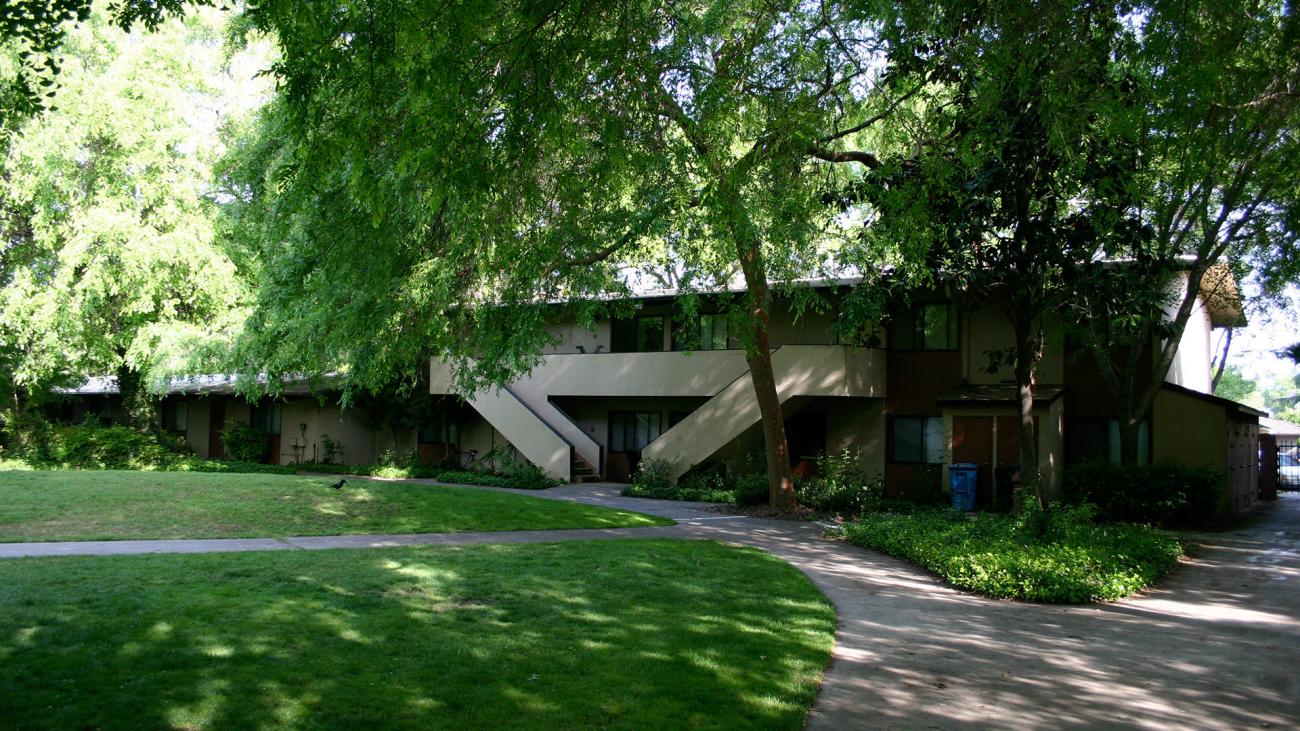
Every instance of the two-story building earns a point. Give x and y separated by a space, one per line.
913 395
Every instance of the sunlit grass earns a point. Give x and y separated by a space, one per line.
633 634
110 505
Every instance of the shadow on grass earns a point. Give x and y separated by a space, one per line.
633 634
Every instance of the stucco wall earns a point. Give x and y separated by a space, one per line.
1191 366
571 335
196 422
987 329
809 328
343 426
1189 430
853 423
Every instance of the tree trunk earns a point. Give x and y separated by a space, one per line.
1027 351
1223 361
758 355
137 408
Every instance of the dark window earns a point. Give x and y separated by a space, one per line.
916 439
676 417
638 335
711 334
174 416
265 417
440 428
631 431
925 327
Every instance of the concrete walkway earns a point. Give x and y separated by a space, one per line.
1216 646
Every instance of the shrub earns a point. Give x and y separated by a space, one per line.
752 489
1164 493
526 474
653 480
654 475
1062 556
710 484
105 448
244 443
462 477
841 485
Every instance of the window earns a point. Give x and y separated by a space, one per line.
916 439
638 335
925 327
631 431
265 417
712 334
1144 442
174 416
440 428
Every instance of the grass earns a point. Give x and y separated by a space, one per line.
111 505
1073 560
636 634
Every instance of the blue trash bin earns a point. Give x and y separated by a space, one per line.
961 478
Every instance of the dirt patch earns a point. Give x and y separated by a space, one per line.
800 513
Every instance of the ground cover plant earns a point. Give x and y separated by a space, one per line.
653 634
1062 555
42 505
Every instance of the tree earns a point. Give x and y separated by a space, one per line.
426 179
1006 146
32 35
110 263
1215 116
1235 385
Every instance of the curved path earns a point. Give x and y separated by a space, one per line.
1216 646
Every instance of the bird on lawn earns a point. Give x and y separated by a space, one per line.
339 485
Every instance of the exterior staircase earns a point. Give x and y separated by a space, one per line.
546 436
580 470
799 370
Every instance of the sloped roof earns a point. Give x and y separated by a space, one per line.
1269 425
1229 404
1222 297
216 384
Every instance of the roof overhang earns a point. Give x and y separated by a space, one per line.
976 395
1222 297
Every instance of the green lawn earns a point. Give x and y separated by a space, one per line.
637 634
111 505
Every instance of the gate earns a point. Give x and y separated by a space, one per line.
1288 462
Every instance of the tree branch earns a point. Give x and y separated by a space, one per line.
866 158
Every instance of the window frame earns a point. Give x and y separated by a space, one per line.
617 339
440 428
175 416
912 322
266 417
699 341
621 421
926 422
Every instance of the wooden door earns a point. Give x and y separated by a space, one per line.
972 441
